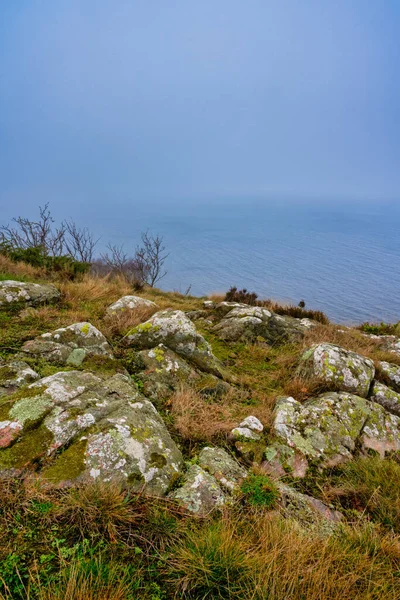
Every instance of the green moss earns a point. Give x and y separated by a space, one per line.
6 373
68 465
27 450
103 366
85 328
157 460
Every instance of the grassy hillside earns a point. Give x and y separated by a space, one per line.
102 541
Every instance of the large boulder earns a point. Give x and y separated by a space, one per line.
391 373
69 345
346 370
131 303
226 470
199 493
20 293
15 374
254 323
328 430
306 510
162 372
176 331
73 426
386 397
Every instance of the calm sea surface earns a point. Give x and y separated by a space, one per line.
343 259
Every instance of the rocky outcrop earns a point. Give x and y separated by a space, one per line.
254 323
306 510
162 372
391 373
176 331
200 492
346 370
130 303
226 470
69 345
386 397
15 374
73 426
20 293
328 430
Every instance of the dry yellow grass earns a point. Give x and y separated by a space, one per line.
20 269
199 419
262 556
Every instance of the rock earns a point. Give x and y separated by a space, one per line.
280 460
391 374
327 431
15 293
388 343
249 429
162 372
209 304
69 345
130 303
176 331
386 397
73 426
254 323
308 511
347 370
226 470
200 492
15 374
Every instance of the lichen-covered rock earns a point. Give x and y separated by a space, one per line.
130 303
15 374
15 293
386 397
73 426
308 511
176 331
347 370
251 323
249 429
69 345
327 430
280 460
226 470
391 374
162 371
200 492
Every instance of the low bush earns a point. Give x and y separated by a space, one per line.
381 328
260 490
63 266
299 312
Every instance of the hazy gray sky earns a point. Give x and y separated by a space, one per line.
118 100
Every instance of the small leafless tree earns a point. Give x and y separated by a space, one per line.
66 239
35 234
147 264
79 243
150 257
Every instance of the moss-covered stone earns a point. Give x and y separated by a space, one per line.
346 370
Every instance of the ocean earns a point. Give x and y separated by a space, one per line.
341 258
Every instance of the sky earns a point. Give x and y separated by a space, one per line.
130 101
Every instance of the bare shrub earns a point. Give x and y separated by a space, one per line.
146 266
67 239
